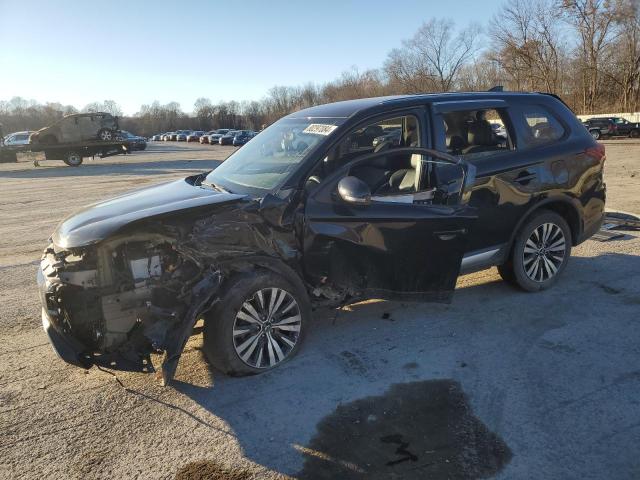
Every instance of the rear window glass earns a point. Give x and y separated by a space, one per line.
543 127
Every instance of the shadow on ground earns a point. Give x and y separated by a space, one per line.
385 414
383 391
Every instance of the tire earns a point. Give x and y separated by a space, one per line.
634 133
237 343
105 135
595 134
73 159
541 264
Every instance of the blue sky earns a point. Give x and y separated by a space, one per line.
134 52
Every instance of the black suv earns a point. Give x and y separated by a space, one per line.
310 213
607 127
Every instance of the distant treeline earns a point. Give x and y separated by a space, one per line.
585 51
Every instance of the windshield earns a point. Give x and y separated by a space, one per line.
268 159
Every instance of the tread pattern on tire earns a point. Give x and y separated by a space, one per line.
512 271
218 344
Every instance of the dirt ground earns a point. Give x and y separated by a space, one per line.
498 384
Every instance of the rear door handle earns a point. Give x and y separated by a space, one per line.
525 177
450 234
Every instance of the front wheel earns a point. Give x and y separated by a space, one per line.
540 252
595 134
258 324
73 159
634 133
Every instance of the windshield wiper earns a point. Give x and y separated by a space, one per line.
216 187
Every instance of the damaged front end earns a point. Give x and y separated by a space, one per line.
113 303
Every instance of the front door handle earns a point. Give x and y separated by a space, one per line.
450 234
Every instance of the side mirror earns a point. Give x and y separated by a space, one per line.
353 190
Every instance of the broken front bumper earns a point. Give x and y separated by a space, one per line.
66 346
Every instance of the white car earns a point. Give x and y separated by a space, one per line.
17 138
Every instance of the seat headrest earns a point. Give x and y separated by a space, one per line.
480 133
386 145
456 143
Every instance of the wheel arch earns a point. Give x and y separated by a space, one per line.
246 265
563 206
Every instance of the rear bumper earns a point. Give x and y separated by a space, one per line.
590 230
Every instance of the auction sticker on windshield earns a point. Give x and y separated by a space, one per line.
320 128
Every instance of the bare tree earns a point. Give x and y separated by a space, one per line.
435 52
407 72
594 22
203 108
527 44
109 106
623 68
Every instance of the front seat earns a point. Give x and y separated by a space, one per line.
480 138
407 180
404 180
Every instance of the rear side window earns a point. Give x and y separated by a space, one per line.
541 126
475 134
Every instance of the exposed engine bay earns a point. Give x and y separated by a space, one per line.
126 298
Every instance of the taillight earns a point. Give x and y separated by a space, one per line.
597 152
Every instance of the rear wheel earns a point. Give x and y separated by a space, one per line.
73 159
540 252
257 325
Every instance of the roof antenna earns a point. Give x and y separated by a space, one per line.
497 88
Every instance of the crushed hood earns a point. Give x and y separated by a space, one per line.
98 221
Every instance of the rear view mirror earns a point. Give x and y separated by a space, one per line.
355 191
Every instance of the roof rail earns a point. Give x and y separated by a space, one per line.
497 88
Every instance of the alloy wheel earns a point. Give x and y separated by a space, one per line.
544 252
267 328
105 135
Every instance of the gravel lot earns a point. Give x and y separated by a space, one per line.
499 383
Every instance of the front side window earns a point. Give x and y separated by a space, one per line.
541 126
391 174
265 162
389 133
475 134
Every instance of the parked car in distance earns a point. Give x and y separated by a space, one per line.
499 130
171 136
205 138
181 135
242 137
607 127
78 127
227 138
308 214
134 142
392 136
157 137
194 136
214 138
17 138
